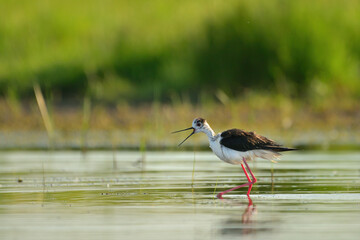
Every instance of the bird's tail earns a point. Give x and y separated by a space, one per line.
280 149
271 153
266 154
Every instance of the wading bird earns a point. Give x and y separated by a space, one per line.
236 146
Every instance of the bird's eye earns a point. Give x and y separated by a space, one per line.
198 124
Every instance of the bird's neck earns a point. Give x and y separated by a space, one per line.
210 133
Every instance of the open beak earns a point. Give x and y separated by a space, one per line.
190 128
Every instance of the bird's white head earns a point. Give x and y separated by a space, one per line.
198 125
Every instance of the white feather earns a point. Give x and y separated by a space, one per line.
236 157
229 155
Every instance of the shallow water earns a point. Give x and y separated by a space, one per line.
127 195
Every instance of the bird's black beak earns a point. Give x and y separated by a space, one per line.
190 128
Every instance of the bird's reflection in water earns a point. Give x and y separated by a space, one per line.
241 226
247 216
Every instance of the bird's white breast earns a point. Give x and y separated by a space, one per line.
236 157
216 147
226 154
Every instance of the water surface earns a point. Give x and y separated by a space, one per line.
171 195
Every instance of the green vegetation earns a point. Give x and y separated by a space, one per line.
286 68
116 51
332 125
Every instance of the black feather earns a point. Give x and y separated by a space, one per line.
240 140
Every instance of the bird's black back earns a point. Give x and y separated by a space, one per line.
240 140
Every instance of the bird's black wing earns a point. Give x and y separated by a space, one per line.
240 140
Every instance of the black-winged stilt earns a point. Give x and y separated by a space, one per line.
236 146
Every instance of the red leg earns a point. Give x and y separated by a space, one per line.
250 182
250 201
242 185
232 189
249 190
251 173
248 178
246 174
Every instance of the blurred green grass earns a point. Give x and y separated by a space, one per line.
138 51
96 46
330 125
